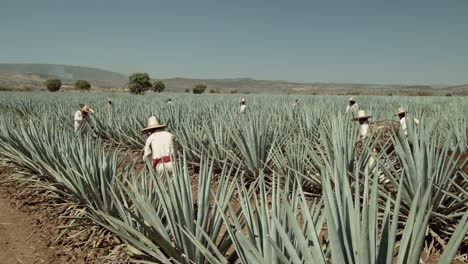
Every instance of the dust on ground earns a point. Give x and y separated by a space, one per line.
29 233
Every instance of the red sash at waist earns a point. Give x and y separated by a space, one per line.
164 159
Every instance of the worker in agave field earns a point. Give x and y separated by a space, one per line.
242 106
352 106
169 101
401 113
82 118
109 102
363 120
160 145
296 103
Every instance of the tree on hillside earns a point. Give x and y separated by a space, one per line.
139 82
53 85
82 85
199 89
158 86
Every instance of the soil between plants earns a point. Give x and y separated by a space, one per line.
29 233
20 241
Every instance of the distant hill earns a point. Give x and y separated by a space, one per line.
31 77
247 85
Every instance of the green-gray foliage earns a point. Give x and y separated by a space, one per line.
53 85
82 85
158 86
138 83
240 189
199 88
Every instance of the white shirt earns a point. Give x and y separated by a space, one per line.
79 120
352 108
159 144
364 130
242 108
403 124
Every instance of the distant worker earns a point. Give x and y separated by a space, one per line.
242 106
160 145
296 103
363 120
352 106
401 113
82 118
169 101
109 102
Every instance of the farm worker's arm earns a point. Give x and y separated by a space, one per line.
78 116
147 148
416 122
347 109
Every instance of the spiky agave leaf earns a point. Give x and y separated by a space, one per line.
182 222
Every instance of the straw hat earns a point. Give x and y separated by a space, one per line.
109 99
360 115
400 110
351 99
152 124
85 108
242 100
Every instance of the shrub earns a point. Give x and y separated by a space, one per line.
199 89
82 85
53 85
158 86
138 83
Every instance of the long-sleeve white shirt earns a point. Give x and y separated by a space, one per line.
352 108
364 130
403 124
242 108
79 121
159 144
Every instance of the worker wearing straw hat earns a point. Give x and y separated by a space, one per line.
352 106
169 101
242 106
401 113
160 145
109 102
82 118
296 103
363 120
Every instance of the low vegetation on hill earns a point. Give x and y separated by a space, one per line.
31 77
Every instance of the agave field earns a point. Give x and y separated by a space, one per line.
278 184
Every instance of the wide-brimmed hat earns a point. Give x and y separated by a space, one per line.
400 110
361 114
351 99
109 99
85 108
242 100
152 124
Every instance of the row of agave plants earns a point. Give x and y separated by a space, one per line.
165 220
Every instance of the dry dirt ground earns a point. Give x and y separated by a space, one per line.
19 240
29 233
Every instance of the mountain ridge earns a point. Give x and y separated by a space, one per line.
30 77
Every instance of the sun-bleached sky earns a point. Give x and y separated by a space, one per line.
365 41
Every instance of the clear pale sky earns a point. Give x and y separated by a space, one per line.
374 41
